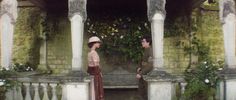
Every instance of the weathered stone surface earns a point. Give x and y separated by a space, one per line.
227 84
9 8
120 78
77 91
160 91
156 6
228 73
77 7
26 37
160 85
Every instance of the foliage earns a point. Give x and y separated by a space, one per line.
22 67
5 74
213 5
120 36
203 78
176 27
5 83
26 36
197 48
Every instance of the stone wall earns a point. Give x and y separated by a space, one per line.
59 50
26 36
209 31
175 58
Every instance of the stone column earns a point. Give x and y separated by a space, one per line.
157 25
228 20
8 15
228 89
160 85
43 48
76 91
156 15
160 90
77 15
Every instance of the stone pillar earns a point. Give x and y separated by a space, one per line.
221 90
156 15
160 90
160 86
43 48
228 89
76 91
77 15
157 25
8 15
228 20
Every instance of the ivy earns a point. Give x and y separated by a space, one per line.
120 36
5 83
201 76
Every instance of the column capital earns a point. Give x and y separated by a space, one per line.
9 7
156 7
227 7
77 7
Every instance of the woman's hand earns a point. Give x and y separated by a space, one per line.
138 76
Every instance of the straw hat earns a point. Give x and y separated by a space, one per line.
94 39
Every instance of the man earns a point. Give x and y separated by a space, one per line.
146 66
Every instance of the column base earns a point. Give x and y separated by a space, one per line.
76 64
77 91
43 68
159 74
159 69
231 66
160 86
228 72
231 62
228 83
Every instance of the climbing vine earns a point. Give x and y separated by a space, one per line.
5 83
201 73
120 36
202 76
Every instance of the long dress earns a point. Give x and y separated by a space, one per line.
95 71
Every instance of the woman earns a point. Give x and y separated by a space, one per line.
94 68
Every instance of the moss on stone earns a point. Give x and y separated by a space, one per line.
26 36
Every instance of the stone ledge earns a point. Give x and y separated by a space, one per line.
32 77
228 73
120 78
160 76
120 81
121 87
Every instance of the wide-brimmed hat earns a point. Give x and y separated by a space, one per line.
94 39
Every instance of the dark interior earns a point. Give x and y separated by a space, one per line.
124 7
